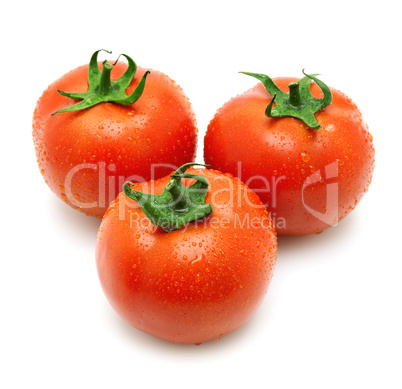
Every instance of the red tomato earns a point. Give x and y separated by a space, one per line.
198 282
85 156
308 179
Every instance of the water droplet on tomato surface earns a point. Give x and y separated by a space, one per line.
304 156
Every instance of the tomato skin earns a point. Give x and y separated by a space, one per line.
280 158
86 156
194 284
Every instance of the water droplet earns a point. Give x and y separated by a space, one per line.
305 157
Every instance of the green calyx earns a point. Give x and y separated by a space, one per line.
102 89
177 204
298 103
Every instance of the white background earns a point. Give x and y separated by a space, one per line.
332 316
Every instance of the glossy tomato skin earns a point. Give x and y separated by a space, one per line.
194 284
86 156
309 180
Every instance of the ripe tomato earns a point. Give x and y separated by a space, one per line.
308 178
86 155
197 282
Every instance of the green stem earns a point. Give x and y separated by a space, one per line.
102 89
298 103
295 99
177 204
105 83
180 201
